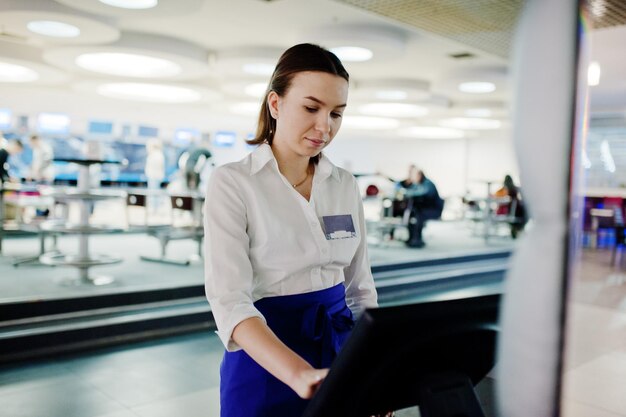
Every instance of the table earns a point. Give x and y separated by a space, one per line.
84 259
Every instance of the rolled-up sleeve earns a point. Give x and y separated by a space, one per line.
360 288
228 272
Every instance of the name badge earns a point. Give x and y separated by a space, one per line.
339 227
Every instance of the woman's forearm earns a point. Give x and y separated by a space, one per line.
262 345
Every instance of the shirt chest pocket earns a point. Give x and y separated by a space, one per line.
343 250
342 236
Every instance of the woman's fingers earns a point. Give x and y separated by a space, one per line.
309 381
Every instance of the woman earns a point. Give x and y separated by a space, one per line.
286 255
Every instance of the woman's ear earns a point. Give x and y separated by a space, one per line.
272 104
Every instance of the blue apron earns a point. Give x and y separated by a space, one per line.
314 325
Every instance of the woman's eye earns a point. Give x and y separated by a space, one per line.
310 109
336 115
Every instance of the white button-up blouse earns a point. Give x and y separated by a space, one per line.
263 239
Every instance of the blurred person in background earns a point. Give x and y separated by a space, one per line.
155 172
423 203
514 207
41 167
12 147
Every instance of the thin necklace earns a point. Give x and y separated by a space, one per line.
303 181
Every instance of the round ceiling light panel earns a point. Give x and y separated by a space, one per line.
126 8
359 43
131 4
369 123
431 132
244 88
477 87
128 65
53 29
472 123
247 61
21 63
392 90
352 53
148 92
245 108
14 73
462 82
494 109
393 110
136 55
52 22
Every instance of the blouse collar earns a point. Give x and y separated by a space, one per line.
263 154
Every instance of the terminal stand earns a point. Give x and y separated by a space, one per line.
429 354
448 394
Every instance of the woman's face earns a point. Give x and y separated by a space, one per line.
309 115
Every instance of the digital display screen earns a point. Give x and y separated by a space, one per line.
52 123
185 136
224 139
148 132
100 127
5 118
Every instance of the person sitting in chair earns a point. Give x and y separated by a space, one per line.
423 203
514 208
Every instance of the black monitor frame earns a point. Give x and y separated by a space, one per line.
428 354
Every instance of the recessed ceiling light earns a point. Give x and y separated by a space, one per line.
11 73
53 29
431 132
247 108
157 93
593 73
471 123
256 89
391 95
478 113
369 123
258 69
131 4
477 87
393 109
128 65
352 53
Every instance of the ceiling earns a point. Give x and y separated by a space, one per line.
209 40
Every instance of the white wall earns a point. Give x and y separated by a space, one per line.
490 159
455 166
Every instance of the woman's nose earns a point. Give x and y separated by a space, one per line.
323 123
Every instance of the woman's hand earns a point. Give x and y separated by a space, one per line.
306 382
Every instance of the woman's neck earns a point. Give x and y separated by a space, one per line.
294 167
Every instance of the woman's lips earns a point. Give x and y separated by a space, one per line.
316 142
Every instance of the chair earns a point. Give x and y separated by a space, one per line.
134 199
191 230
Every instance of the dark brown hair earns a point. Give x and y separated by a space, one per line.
298 58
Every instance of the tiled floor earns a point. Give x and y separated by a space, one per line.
173 377
595 378
178 376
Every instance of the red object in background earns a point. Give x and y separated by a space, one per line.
371 190
502 209
613 202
